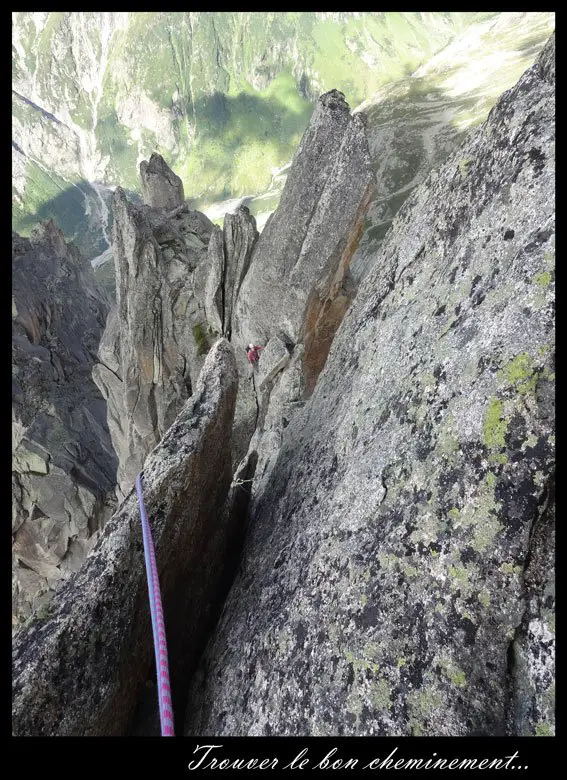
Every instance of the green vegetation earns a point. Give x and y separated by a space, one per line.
241 138
51 197
230 96
114 141
201 338
221 102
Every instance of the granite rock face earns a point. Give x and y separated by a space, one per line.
300 260
228 258
214 290
397 577
273 359
81 669
161 187
157 335
63 463
293 291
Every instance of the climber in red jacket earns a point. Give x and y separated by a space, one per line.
253 353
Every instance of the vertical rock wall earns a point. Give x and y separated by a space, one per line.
63 463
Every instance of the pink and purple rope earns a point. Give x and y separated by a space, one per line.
158 625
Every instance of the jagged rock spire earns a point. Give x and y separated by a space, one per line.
302 255
161 187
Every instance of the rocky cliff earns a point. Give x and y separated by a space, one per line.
295 284
174 270
395 494
397 577
63 463
156 337
82 670
181 281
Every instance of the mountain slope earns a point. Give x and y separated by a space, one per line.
224 97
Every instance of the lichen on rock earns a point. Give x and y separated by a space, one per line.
409 509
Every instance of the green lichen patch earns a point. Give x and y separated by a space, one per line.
387 560
380 695
531 441
447 444
427 379
427 530
510 568
542 280
494 425
421 705
520 373
544 730
480 516
485 531
454 673
548 374
362 664
458 678
459 573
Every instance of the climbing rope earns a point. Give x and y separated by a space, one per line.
158 625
